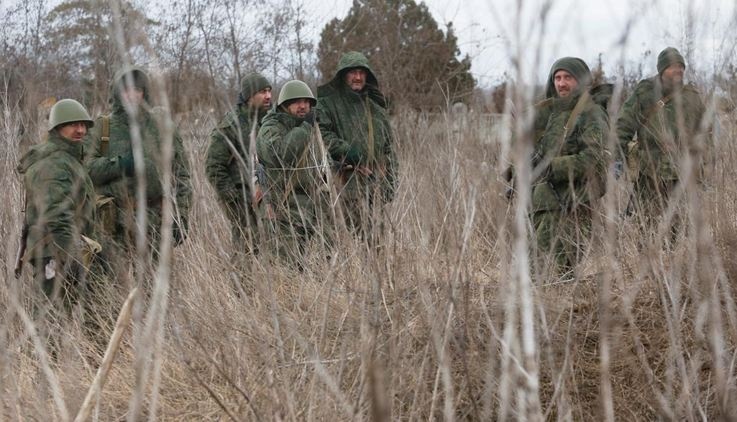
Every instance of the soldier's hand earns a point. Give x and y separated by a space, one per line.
310 118
126 165
258 196
50 269
364 171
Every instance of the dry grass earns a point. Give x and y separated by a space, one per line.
431 327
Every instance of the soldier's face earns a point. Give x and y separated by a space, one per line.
299 107
356 78
261 100
73 131
132 96
673 75
565 83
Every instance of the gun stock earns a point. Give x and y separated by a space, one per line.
22 243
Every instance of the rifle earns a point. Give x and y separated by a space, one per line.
22 244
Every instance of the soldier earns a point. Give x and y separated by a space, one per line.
355 124
231 159
110 162
296 168
60 204
571 160
660 123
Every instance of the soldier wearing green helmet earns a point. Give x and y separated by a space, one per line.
355 124
296 168
231 163
60 204
111 164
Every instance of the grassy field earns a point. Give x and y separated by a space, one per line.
442 323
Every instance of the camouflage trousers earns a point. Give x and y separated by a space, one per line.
362 202
561 237
293 230
651 198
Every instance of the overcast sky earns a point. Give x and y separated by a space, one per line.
493 31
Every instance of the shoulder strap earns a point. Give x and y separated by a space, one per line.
105 134
659 105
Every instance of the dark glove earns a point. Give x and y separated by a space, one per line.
126 165
310 118
353 156
179 232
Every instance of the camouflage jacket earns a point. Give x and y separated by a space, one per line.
355 125
60 198
105 168
576 170
295 167
228 158
651 117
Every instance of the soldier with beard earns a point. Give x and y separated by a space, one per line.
297 172
231 160
659 124
355 124
570 158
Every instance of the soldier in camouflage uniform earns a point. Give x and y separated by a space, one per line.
231 158
571 158
297 169
659 124
355 124
110 162
60 203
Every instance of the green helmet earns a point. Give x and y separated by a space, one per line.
68 111
293 90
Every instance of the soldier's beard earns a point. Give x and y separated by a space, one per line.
672 84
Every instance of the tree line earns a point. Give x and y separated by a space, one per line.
72 48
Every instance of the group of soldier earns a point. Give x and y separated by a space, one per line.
662 136
280 171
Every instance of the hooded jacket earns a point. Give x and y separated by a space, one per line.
60 198
575 156
107 169
355 125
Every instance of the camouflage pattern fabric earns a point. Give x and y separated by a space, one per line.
655 130
297 183
60 210
108 171
356 128
572 152
228 170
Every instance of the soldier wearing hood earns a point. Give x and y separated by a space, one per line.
111 165
355 125
571 160
60 203
659 124
231 158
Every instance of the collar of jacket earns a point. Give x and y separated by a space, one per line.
75 149
286 119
